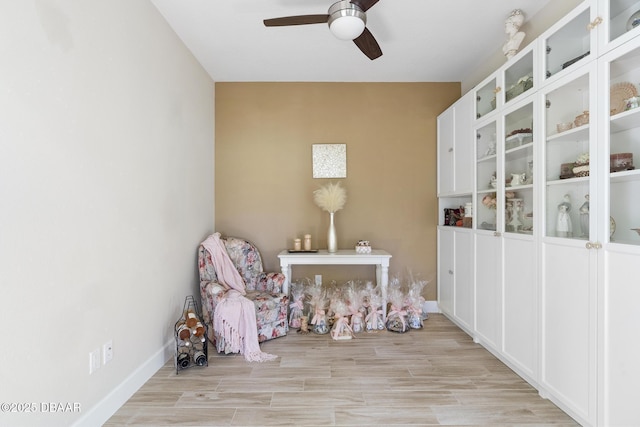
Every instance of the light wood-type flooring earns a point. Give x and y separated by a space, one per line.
433 376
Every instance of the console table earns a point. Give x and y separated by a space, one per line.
377 257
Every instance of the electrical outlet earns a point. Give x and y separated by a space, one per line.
107 352
318 279
94 360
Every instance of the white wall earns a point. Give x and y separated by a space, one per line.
106 189
533 27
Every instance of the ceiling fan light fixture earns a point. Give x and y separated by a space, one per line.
346 20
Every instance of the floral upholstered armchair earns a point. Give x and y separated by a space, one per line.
264 289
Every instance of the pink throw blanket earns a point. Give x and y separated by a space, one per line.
234 318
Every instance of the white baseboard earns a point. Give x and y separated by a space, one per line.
108 406
430 307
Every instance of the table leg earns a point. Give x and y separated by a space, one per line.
286 270
382 278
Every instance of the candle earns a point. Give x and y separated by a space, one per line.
296 245
307 242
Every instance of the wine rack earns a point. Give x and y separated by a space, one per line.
192 350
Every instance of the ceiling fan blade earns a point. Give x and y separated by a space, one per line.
364 4
296 20
368 45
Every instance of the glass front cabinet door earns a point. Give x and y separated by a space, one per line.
488 96
487 177
570 43
618 22
619 153
620 72
569 208
569 141
518 167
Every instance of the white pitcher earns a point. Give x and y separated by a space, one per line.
518 179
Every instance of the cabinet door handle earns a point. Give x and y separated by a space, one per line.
588 245
450 271
497 89
597 245
497 234
451 150
593 24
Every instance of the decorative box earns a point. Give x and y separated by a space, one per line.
566 170
363 247
620 162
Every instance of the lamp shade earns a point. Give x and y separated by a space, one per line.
347 27
346 20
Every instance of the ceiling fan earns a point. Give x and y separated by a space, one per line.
347 21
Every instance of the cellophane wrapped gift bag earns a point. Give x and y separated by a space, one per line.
318 305
341 329
413 304
296 307
334 293
396 315
355 303
374 320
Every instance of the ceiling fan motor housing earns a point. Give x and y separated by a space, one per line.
346 20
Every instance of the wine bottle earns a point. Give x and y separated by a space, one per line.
183 332
200 358
198 331
190 318
183 360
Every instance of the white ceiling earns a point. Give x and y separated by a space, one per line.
421 40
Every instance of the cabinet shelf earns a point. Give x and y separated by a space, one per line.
625 176
487 158
576 180
519 187
626 120
575 134
519 147
486 191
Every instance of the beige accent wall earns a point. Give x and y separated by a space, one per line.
263 169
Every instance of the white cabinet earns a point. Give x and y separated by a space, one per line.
620 349
568 98
506 283
554 282
446 268
464 303
488 249
616 23
569 328
619 258
588 368
455 148
446 142
568 44
455 275
520 306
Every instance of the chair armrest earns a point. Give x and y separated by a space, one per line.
271 282
211 293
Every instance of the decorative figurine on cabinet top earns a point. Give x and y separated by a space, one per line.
512 28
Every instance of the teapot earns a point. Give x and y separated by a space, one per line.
518 179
